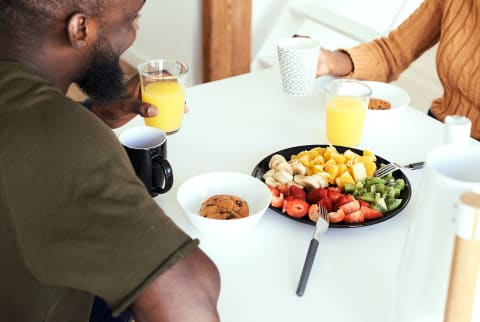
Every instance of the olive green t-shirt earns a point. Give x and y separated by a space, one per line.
75 221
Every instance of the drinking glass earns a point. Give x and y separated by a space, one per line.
163 84
346 105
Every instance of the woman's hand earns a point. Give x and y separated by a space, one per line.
335 63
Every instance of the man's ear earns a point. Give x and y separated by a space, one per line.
80 30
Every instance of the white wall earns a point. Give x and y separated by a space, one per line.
172 29
264 14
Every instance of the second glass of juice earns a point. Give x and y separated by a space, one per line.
346 104
163 84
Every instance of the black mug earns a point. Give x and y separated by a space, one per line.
147 149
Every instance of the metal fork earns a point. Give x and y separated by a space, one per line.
392 167
320 228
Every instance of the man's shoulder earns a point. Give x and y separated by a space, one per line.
28 103
38 116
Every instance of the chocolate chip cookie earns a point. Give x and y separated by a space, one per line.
378 104
224 207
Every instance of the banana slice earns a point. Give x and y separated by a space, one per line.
282 176
271 182
310 182
284 166
275 160
297 167
269 173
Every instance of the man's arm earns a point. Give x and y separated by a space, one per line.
188 292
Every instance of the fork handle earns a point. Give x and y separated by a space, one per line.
307 266
416 165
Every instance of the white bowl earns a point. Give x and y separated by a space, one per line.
196 190
397 97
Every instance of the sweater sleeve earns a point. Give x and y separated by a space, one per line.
385 58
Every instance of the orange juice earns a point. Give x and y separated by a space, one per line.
169 98
345 119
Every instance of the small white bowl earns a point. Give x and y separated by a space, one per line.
397 97
196 190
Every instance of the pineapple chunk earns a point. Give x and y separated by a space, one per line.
358 171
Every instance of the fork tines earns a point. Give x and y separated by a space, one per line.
323 213
386 169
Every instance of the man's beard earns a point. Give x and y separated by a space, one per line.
104 78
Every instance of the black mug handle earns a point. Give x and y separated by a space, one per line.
162 175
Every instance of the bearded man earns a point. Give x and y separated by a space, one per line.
75 221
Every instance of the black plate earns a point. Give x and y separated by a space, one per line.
262 167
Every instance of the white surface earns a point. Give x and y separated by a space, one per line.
231 126
194 191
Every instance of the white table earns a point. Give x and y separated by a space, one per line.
232 125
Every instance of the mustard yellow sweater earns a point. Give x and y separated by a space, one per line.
455 26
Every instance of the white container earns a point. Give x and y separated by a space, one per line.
196 190
424 272
457 130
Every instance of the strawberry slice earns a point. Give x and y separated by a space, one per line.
297 193
350 207
277 201
336 216
363 203
314 212
355 217
285 202
315 195
277 197
327 203
296 208
283 188
334 193
370 213
343 199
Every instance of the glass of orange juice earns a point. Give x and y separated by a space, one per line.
163 84
347 104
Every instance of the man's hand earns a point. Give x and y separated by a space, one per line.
119 112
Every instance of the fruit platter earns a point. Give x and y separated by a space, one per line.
303 178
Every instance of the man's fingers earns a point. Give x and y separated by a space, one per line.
135 106
147 110
133 87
